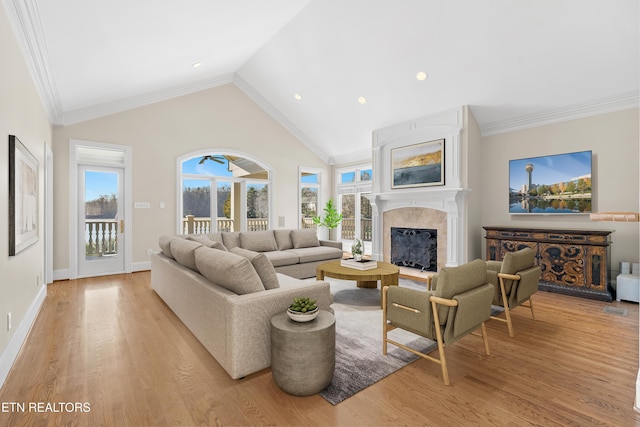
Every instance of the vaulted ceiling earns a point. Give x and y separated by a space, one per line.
310 63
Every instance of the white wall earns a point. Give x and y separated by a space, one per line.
21 114
219 118
615 142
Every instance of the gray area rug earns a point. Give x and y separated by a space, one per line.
359 358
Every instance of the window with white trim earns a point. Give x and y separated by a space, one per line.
223 192
309 192
354 184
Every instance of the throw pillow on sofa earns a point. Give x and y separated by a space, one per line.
258 241
263 267
304 239
229 270
165 245
184 252
283 239
205 240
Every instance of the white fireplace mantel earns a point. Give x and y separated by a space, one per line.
451 201
450 198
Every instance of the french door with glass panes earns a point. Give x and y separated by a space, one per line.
101 220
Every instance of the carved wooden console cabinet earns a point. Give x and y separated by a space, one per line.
574 262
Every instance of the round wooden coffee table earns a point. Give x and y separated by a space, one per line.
386 273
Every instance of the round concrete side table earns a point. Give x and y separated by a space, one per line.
303 355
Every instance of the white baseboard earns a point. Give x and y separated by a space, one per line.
140 266
11 353
61 274
136 266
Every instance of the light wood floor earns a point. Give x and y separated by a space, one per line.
111 342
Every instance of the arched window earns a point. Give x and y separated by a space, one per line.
223 191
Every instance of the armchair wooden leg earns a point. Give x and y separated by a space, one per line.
533 316
384 319
484 338
505 304
443 360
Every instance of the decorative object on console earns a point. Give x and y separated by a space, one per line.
573 262
418 165
615 216
23 197
555 184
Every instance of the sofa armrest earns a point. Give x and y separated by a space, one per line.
249 322
332 243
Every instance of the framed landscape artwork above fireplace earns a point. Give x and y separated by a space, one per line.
418 165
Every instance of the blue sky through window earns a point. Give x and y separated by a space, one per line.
98 184
209 167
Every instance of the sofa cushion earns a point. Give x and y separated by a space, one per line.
281 258
304 238
183 251
216 237
229 270
321 253
283 239
263 267
165 245
205 240
231 239
258 241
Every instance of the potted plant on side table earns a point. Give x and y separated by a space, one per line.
303 310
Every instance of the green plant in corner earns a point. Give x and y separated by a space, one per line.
331 216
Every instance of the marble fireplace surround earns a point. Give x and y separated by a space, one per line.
442 210
408 218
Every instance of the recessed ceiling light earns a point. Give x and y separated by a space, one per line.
197 64
362 100
421 76
297 96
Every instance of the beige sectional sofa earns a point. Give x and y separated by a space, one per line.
225 287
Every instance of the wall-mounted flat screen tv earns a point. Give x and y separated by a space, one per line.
555 184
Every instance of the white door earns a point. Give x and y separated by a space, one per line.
101 238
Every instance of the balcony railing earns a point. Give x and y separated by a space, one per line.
349 229
101 237
193 225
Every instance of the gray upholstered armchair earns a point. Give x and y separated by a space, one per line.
459 303
515 279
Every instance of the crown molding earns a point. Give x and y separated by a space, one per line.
128 103
365 155
24 18
279 117
611 104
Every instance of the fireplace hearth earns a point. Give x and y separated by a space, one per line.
415 248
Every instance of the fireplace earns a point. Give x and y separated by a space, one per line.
441 207
415 248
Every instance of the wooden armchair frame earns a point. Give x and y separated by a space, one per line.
505 302
442 361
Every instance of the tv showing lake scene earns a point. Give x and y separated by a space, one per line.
554 184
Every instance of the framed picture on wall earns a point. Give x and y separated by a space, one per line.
418 165
23 197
